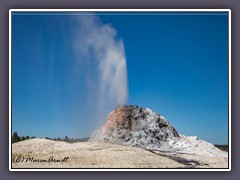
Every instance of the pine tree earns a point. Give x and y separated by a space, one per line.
66 139
15 137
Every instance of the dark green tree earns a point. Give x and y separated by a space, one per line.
66 139
15 137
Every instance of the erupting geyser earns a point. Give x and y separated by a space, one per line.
102 57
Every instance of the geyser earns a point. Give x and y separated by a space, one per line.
101 56
136 126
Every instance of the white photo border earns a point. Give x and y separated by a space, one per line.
119 10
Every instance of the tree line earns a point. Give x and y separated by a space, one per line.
222 147
67 139
17 138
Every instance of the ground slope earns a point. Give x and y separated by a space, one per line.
34 153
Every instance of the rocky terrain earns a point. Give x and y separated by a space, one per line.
133 137
139 127
136 126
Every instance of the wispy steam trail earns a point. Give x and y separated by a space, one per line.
97 43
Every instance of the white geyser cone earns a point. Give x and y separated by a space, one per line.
136 126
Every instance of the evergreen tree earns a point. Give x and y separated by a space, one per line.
15 137
66 139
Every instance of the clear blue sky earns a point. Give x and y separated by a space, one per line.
177 65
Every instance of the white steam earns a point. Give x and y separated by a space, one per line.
100 51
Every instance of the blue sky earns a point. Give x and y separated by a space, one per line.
177 65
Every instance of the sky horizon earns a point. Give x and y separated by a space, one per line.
177 65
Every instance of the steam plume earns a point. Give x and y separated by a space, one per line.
103 54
